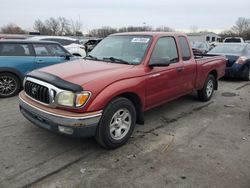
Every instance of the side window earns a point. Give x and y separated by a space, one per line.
55 50
165 48
185 50
14 49
41 50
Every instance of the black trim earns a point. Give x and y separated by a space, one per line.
55 80
78 132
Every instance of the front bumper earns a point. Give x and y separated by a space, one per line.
72 124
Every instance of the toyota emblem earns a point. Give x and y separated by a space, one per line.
34 90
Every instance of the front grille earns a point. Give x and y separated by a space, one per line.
37 91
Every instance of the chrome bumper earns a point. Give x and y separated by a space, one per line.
83 126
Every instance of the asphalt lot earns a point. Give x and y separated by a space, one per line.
185 143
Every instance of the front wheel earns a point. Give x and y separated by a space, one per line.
207 91
9 85
117 123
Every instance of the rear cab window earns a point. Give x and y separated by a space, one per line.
165 48
185 49
15 49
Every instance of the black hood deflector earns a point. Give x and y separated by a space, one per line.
55 80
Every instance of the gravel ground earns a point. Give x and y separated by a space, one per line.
185 143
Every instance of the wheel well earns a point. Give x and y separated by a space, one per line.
9 72
138 106
76 55
215 74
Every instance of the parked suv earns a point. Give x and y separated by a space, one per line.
17 57
71 44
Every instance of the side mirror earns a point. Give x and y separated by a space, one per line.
68 56
162 62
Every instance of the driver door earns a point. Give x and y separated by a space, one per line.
164 83
48 54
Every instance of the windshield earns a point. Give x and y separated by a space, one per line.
198 45
125 48
227 49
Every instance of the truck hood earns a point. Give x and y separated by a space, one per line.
82 71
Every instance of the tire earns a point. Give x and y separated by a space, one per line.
9 85
246 73
114 130
207 91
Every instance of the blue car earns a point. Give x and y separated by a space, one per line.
18 57
238 55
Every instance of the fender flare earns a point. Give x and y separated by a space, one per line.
13 71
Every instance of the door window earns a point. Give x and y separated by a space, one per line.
55 50
165 48
185 50
41 50
14 49
49 50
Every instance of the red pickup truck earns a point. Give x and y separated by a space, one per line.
106 94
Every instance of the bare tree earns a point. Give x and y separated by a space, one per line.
241 26
240 29
64 26
76 27
40 27
12 29
54 25
102 32
164 29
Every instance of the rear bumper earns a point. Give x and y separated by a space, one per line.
235 71
84 126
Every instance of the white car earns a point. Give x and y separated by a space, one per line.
71 44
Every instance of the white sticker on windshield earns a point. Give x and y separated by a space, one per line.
140 40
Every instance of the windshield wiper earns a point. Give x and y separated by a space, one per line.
91 57
117 60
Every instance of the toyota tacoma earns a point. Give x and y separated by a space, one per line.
105 94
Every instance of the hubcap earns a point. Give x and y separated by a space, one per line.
120 124
210 88
7 85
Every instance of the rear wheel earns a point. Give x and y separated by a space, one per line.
246 73
9 85
207 91
117 123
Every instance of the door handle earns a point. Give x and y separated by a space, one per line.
179 69
155 75
40 61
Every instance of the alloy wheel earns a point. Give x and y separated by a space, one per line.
120 124
8 85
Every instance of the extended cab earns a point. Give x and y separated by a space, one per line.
106 94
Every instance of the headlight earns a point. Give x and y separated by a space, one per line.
70 99
241 60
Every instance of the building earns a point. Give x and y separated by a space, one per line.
204 37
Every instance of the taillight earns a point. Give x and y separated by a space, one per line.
241 60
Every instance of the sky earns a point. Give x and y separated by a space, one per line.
182 15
